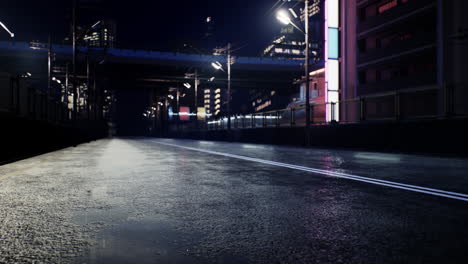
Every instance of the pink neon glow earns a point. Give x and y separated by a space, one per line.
327 112
332 76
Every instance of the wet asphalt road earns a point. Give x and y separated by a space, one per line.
141 200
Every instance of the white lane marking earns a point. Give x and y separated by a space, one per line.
408 187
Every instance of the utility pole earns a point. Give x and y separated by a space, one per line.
49 68
177 101
65 98
95 95
196 98
229 86
307 77
88 86
75 88
49 77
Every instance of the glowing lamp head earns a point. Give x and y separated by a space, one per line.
217 65
283 17
187 85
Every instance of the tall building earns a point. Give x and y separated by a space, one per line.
102 34
217 102
213 102
207 101
289 44
405 57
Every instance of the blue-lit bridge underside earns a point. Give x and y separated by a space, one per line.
154 57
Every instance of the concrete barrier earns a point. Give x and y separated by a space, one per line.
22 138
426 136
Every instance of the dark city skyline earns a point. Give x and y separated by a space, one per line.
151 25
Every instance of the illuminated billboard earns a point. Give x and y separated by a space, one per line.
184 113
201 113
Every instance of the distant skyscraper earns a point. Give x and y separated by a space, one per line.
290 44
102 34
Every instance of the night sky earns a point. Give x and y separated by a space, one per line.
155 25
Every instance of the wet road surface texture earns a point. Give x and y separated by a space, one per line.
140 200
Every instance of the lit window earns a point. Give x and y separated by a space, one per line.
388 6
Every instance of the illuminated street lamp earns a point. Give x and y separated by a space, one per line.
217 65
12 35
26 75
284 18
293 12
187 85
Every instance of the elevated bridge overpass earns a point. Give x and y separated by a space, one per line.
125 68
152 72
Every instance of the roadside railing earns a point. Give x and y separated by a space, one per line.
410 104
22 97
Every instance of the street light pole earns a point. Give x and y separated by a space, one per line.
177 100
283 17
307 78
50 94
66 90
49 68
74 87
229 86
12 35
88 84
196 98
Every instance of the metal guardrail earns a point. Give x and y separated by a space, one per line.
409 104
19 97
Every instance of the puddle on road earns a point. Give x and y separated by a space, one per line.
151 240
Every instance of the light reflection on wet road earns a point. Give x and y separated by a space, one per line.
137 201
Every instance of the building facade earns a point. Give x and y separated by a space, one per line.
402 58
102 34
289 44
